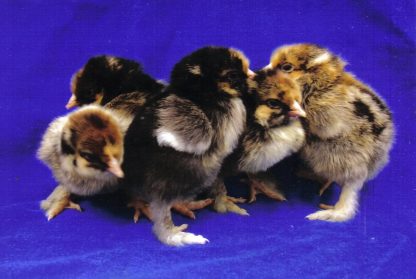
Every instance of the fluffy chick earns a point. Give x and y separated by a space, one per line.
126 106
273 132
175 148
84 150
105 77
350 128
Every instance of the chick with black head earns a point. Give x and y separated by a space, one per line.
175 147
349 127
273 133
105 77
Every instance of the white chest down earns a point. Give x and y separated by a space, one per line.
283 142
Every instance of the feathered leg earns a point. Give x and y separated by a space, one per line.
345 208
166 231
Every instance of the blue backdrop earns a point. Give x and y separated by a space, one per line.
44 42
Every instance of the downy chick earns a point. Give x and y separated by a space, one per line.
350 129
273 132
119 75
105 77
84 150
175 148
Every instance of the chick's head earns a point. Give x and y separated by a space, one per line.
212 70
87 84
278 98
95 141
313 67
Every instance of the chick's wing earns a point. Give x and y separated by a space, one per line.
183 126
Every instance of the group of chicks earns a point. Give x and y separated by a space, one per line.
165 144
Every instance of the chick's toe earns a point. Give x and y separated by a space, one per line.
57 202
331 215
265 187
224 203
140 207
186 208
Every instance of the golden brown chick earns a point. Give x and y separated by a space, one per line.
273 132
350 130
84 150
105 77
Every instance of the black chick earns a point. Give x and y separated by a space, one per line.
175 148
105 77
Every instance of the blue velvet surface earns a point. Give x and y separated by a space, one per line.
44 42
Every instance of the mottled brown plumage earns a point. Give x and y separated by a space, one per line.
349 127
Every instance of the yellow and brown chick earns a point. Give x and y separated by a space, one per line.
180 140
350 130
84 151
273 133
105 77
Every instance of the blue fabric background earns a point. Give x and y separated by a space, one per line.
44 42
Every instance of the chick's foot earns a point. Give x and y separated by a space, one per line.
265 187
170 234
185 208
331 215
175 236
224 203
345 208
58 201
140 207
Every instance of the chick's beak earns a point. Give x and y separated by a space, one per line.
72 102
114 168
296 110
250 73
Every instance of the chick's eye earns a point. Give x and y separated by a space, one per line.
87 156
232 75
287 67
273 103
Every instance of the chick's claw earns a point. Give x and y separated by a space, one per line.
324 187
258 186
57 202
185 208
140 207
54 209
225 204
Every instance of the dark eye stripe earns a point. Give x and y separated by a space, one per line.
273 103
90 157
98 165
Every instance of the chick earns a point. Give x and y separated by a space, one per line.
105 77
84 150
126 106
175 147
350 129
273 132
